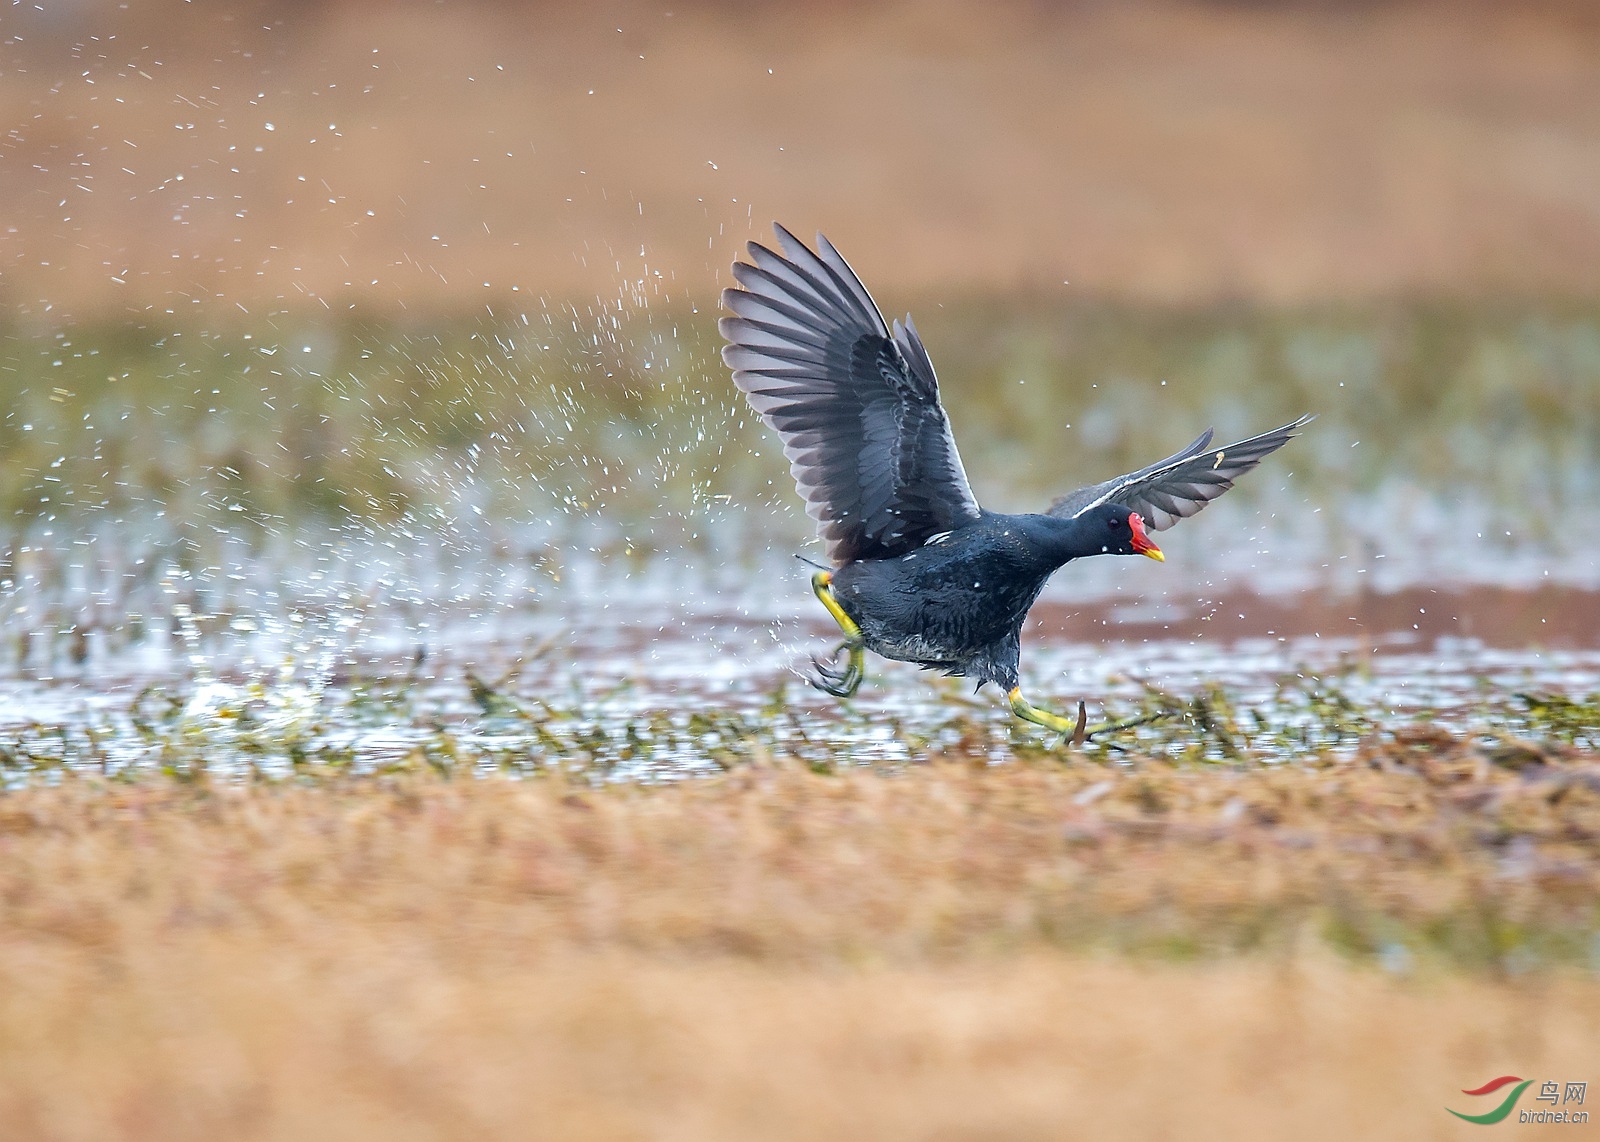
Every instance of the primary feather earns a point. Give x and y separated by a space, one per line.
855 403
1179 486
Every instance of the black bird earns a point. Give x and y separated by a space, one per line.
921 572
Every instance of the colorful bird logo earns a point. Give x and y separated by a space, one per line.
1491 1117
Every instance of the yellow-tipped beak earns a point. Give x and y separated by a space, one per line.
1141 541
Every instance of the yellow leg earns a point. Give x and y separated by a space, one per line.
822 585
1028 712
840 683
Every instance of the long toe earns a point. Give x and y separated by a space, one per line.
841 682
831 679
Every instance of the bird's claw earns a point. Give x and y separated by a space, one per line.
1078 736
840 681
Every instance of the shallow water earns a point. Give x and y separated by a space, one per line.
256 547
666 671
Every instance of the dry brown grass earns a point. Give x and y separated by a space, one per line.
303 1039
784 954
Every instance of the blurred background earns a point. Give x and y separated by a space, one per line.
404 157
373 293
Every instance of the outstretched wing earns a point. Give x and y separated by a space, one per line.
856 404
1183 483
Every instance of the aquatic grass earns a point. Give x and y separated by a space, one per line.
625 414
1562 717
256 430
281 723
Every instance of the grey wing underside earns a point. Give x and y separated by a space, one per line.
1179 486
855 403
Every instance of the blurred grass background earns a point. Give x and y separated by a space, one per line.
416 263
1439 422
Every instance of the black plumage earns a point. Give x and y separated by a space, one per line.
921 572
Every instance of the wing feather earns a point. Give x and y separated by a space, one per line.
1179 486
855 403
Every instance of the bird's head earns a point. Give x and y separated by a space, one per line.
1124 534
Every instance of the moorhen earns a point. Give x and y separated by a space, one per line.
921 573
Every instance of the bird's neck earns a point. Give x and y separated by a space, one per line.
1059 541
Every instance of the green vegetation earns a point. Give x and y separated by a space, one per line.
288 728
626 414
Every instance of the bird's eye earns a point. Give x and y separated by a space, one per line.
1116 523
